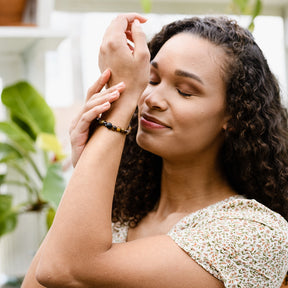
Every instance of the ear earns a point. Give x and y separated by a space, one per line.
224 127
225 122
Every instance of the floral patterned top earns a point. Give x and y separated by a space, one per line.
239 241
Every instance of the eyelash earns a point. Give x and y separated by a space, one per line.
184 94
178 90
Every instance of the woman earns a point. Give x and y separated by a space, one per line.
213 137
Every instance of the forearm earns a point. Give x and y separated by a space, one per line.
82 226
81 233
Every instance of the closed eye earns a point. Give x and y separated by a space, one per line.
153 82
184 94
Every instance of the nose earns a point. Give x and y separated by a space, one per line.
155 98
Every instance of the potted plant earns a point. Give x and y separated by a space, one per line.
12 12
32 179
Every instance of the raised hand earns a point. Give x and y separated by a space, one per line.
124 50
97 102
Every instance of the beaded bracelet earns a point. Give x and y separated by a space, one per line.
112 127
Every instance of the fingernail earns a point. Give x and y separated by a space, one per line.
137 22
105 71
106 104
121 84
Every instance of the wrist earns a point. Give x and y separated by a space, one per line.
111 126
133 86
122 110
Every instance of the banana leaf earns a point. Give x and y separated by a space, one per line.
17 135
8 152
50 217
2 178
8 217
28 108
50 142
53 185
31 130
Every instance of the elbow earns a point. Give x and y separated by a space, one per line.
52 274
69 274
46 276
43 278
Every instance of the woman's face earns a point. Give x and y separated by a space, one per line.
182 111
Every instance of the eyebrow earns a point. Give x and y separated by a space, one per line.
154 64
181 73
189 75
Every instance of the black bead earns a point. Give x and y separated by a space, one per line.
109 125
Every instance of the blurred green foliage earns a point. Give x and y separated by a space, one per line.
31 154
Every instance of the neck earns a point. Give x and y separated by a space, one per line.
188 186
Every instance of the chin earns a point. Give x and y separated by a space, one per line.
149 143
141 140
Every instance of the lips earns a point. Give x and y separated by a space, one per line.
148 121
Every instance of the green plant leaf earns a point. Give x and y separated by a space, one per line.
256 11
8 217
50 217
26 104
23 125
53 185
17 135
50 142
146 5
8 153
5 203
241 4
2 178
251 26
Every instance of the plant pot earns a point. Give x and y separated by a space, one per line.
11 12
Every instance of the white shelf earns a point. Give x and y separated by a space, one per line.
20 39
23 51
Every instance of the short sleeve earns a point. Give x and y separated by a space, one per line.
119 232
242 243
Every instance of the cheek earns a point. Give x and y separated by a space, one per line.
200 123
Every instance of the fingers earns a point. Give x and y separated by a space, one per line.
141 50
119 26
95 105
79 132
129 36
108 93
125 20
94 91
124 50
130 25
132 16
81 123
88 116
107 96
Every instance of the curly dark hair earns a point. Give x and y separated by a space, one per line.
255 152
